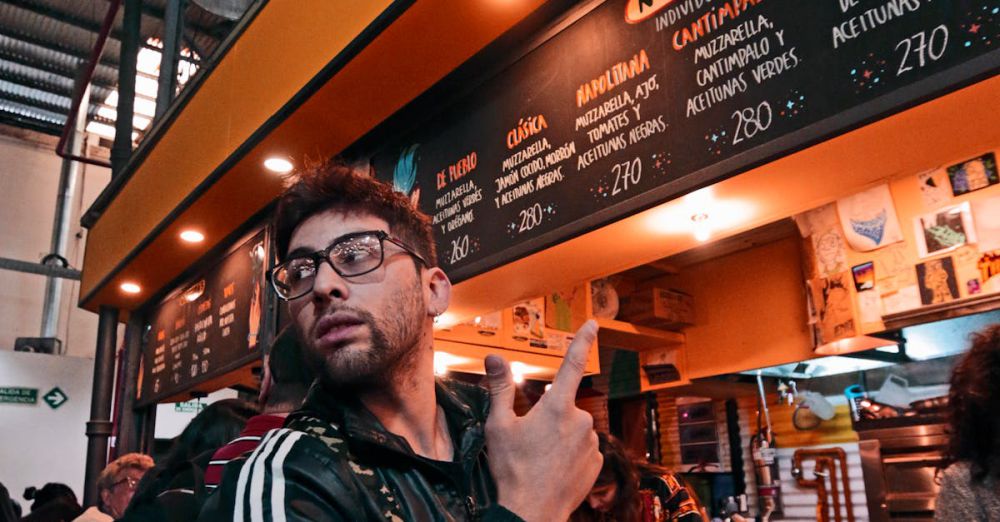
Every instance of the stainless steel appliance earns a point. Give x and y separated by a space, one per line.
899 458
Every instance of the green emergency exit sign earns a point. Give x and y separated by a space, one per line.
18 395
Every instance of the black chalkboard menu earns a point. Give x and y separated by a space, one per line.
639 101
208 327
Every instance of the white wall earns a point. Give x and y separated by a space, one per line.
39 444
29 181
170 422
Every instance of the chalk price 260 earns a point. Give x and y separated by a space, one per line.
459 249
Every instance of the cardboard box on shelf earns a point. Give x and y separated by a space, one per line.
658 307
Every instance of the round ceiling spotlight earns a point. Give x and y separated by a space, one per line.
702 230
279 165
192 236
130 288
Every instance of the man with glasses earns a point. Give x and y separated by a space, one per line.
115 487
378 437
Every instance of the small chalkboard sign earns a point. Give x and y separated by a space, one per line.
209 326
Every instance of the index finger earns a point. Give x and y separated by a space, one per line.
571 371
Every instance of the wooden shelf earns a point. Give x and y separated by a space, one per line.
628 336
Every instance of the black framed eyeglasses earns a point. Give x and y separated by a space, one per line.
350 255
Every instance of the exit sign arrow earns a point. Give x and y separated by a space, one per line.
55 398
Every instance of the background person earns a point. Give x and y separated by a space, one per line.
284 385
970 485
174 489
628 490
115 486
7 512
54 502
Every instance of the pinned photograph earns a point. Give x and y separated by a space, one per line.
937 281
832 299
869 219
944 230
934 188
864 276
989 267
986 214
974 174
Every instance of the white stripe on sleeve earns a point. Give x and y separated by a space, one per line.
241 484
257 477
278 477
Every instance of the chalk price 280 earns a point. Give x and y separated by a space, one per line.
752 120
530 218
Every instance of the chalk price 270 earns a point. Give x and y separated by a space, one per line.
627 175
922 48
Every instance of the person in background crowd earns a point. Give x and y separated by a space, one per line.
970 483
283 387
7 513
627 490
173 490
115 486
55 502
378 437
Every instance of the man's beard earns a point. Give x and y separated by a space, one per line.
393 347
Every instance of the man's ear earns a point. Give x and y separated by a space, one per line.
266 381
437 290
105 498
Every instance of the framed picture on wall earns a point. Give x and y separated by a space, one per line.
944 230
974 174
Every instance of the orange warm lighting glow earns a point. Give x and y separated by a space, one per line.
130 288
701 214
852 344
279 165
192 236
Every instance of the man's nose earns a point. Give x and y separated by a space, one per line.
329 285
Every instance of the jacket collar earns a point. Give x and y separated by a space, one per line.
465 407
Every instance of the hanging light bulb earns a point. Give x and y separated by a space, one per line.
517 370
702 230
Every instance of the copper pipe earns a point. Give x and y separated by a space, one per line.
81 87
825 465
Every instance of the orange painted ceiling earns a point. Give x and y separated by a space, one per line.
426 42
284 48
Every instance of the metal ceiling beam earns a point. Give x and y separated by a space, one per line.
17 120
52 68
47 85
32 102
71 20
78 55
203 30
103 87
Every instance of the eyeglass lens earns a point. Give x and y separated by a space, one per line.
350 256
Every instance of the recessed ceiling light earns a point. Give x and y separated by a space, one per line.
702 230
279 165
130 288
192 236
